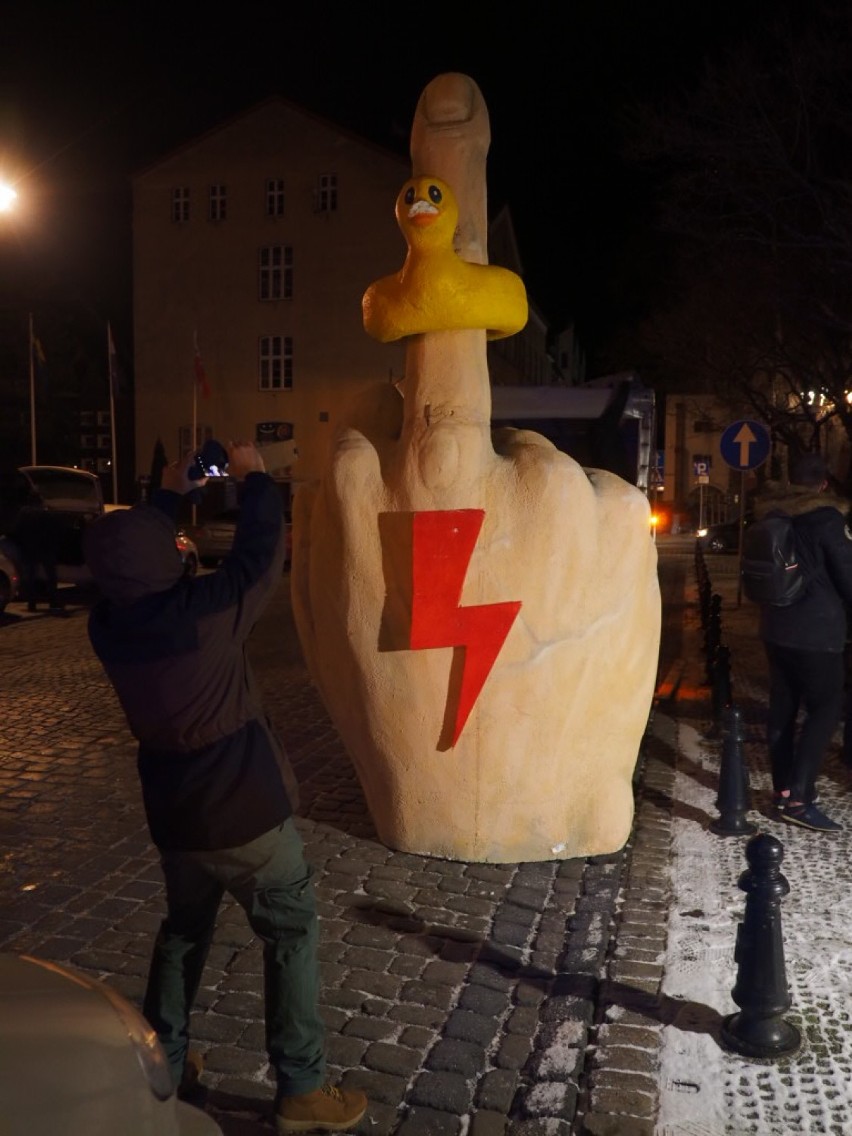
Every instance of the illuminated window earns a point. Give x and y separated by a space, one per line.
275 197
218 203
275 362
180 204
275 273
327 193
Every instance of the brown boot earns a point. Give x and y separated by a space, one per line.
329 1109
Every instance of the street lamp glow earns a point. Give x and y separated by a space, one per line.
7 197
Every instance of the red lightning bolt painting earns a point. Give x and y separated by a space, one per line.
443 543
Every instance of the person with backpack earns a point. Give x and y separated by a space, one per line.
804 638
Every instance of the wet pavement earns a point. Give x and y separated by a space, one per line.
462 997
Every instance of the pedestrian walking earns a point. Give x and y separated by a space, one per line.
217 787
805 641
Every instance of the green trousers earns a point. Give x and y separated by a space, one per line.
271 881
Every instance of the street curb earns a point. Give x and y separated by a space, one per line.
620 1086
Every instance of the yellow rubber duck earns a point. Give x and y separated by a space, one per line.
435 290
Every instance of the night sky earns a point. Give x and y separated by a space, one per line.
89 93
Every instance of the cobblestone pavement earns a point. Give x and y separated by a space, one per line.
461 997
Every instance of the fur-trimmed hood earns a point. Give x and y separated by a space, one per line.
796 500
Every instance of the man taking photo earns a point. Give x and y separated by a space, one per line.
217 787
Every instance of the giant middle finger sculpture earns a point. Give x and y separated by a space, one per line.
482 618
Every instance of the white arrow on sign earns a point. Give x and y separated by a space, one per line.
744 438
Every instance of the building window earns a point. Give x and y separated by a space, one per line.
104 441
327 193
218 203
275 197
87 441
180 204
275 359
275 273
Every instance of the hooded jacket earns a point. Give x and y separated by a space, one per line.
213 773
816 621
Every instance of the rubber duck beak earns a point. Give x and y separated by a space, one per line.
422 212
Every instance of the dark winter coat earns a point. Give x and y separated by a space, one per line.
817 621
213 773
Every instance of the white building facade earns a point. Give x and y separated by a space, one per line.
255 243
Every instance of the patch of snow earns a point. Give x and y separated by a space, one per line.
811 1091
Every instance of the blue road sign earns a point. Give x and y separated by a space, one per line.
745 444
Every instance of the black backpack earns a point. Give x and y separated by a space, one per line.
771 570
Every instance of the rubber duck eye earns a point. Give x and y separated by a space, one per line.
409 195
435 194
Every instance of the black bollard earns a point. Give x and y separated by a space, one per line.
704 599
713 634
705 590
721 695
732 799
761 989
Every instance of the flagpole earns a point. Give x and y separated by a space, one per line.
194 444
32 395
111 366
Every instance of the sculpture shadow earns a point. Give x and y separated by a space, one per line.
689 1016
452 944
239 1115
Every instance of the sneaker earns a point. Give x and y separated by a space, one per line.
809 816
779 800
329 1109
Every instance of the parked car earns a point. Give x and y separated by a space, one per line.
76 494
78 1058
9 576
215 537
66 489
188 553
722 537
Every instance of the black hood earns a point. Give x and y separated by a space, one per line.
132 553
